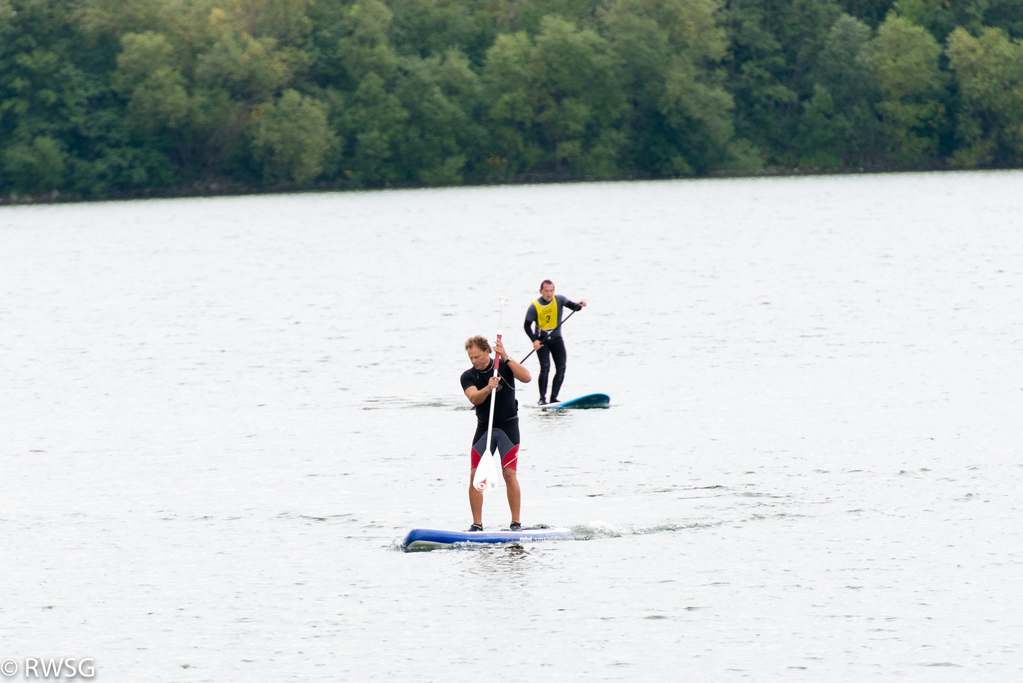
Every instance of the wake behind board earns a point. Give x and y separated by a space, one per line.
434 539
587 401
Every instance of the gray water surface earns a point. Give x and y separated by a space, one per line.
219 417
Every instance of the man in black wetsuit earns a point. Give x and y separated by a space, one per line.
480 387
546 315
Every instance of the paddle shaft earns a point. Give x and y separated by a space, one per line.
534 350
493 401
493 392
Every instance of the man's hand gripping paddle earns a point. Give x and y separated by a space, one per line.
487 475
534 350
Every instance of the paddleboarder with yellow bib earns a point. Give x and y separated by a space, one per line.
543 325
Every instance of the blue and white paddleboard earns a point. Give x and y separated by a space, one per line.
587 401
434 539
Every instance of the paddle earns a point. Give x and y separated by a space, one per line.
534 350
486 472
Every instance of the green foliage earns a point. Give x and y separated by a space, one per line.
246 68
440 95
104 22
292 140
912 88
1006 15
680 118
556 102
759 76
530 16
805 31
870 12
425 28
121 96
839 125
365 48
35 167
374 121
575 95
822 130
512 113
941 17
989 70
156 91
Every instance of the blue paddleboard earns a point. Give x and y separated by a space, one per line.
587 401
433 539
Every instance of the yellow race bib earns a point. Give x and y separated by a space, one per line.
547 316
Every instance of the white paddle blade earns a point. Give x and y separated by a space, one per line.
486 477
498 476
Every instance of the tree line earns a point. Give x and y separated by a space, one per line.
115 97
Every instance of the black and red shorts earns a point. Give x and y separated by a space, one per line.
505 440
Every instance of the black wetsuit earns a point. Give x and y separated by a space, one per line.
506 412
552 345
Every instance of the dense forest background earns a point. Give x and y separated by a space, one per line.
122 97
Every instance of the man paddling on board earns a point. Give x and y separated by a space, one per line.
546 315
481 386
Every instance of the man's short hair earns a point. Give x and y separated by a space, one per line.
479 341
546 282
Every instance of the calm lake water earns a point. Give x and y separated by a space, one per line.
219 417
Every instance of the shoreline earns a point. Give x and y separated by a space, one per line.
230 189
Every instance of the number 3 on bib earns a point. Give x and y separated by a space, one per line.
547 316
